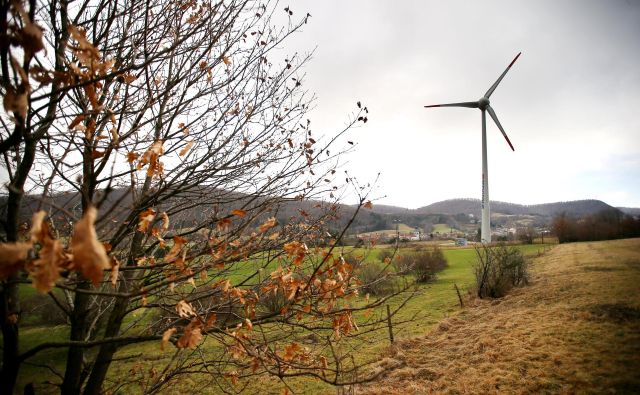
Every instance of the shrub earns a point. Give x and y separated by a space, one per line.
424 264
376 278
499 269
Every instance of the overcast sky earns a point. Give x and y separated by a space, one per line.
570 104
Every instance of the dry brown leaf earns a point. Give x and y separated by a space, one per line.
76 121
165 221
46 269
178 243
226 60
13 257
115 267
29 37
132 156
39 230
368 205
224 223
186 148
155 232
291 351
211 319
146 218
238 213
248 324
16 102
323 362
151 158
166 336
268 224
86 52
185 309
114 135
297 250
129 78
89 256
192 335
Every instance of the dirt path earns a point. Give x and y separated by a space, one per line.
575 329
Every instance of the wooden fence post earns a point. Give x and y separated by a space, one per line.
389 324
459 296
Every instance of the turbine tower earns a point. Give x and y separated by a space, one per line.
483 105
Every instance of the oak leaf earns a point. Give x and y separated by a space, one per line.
76 121
186 148
13 257
248 324
39 230
224 223
178 243
89 255
192 335
166 336
115 267
146 218
238 213
291 351
185 309
165 221
31 38
16 101
46 269
297 250
132 156
268 224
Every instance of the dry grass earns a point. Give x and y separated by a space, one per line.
576 329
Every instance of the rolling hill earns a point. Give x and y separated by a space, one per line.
454 212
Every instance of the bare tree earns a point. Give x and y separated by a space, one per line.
162 140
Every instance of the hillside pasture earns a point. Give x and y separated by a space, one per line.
443 229
575 329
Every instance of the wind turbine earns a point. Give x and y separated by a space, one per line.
483 105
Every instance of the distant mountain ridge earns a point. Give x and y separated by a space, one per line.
635 211
472 206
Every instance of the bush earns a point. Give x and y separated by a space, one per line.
424 264
376 278
499 269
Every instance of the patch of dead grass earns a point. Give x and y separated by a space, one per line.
574 329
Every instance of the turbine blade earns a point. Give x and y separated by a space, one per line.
495 85
495 119
469 104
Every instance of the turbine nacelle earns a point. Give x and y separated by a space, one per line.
484 104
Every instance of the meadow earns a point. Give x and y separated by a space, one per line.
575 329
430 303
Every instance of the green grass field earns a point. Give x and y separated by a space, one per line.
430 304
402 228
443 228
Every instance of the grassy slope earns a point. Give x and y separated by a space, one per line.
575 329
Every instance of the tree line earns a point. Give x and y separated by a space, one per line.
604 225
